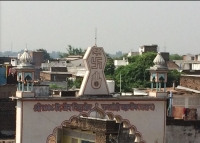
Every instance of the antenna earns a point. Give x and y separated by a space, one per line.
26 45
95 36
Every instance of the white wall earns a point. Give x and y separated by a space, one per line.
37 126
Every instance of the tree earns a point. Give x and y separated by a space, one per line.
173 76
135 74
175 57
45 54
109 68
72 51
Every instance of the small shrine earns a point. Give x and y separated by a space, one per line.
158 74
25 73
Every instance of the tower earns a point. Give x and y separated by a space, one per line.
25 75
158 76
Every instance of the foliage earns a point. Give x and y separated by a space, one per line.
173 76
109 68
135 74
72 51
54 86
45 54
175 57
77 82
121 57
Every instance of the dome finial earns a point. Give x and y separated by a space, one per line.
25 57
159 59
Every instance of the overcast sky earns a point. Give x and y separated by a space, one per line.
121 25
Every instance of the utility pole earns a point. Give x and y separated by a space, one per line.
120 83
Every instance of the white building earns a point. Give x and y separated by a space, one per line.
119 63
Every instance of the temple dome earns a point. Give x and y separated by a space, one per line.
159 60
25 57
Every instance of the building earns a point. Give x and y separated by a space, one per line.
37 58
7 111
122 62
92 116
148 48
132 53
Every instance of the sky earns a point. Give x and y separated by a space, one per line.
121 25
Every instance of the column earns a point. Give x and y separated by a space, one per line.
27 86
19 86
164 86
156 86
151 85
23 86
31 86
159 86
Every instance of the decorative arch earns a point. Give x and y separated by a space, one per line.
73 122
97 112
132 130
126 123
118 119
110 115
138 137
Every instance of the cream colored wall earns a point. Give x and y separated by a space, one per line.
37 126
18 122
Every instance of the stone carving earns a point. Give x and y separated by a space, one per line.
52 139
94 81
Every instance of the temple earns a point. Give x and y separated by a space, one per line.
94 116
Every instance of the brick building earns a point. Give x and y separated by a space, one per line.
37 57
190 81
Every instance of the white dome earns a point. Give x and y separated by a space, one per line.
159 60
25 57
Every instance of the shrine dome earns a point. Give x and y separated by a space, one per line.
25 57
159 60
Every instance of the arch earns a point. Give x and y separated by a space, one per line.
110 116
126 124
132 130
73 122
118 119
51 139
83 114
97 113
138 137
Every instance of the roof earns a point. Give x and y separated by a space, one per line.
172 65
56 72
190 75
121 98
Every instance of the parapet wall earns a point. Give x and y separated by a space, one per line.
180 131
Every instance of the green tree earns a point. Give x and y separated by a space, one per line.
175 57
173 76
45 54
77 82
135 74
109 68
72 51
